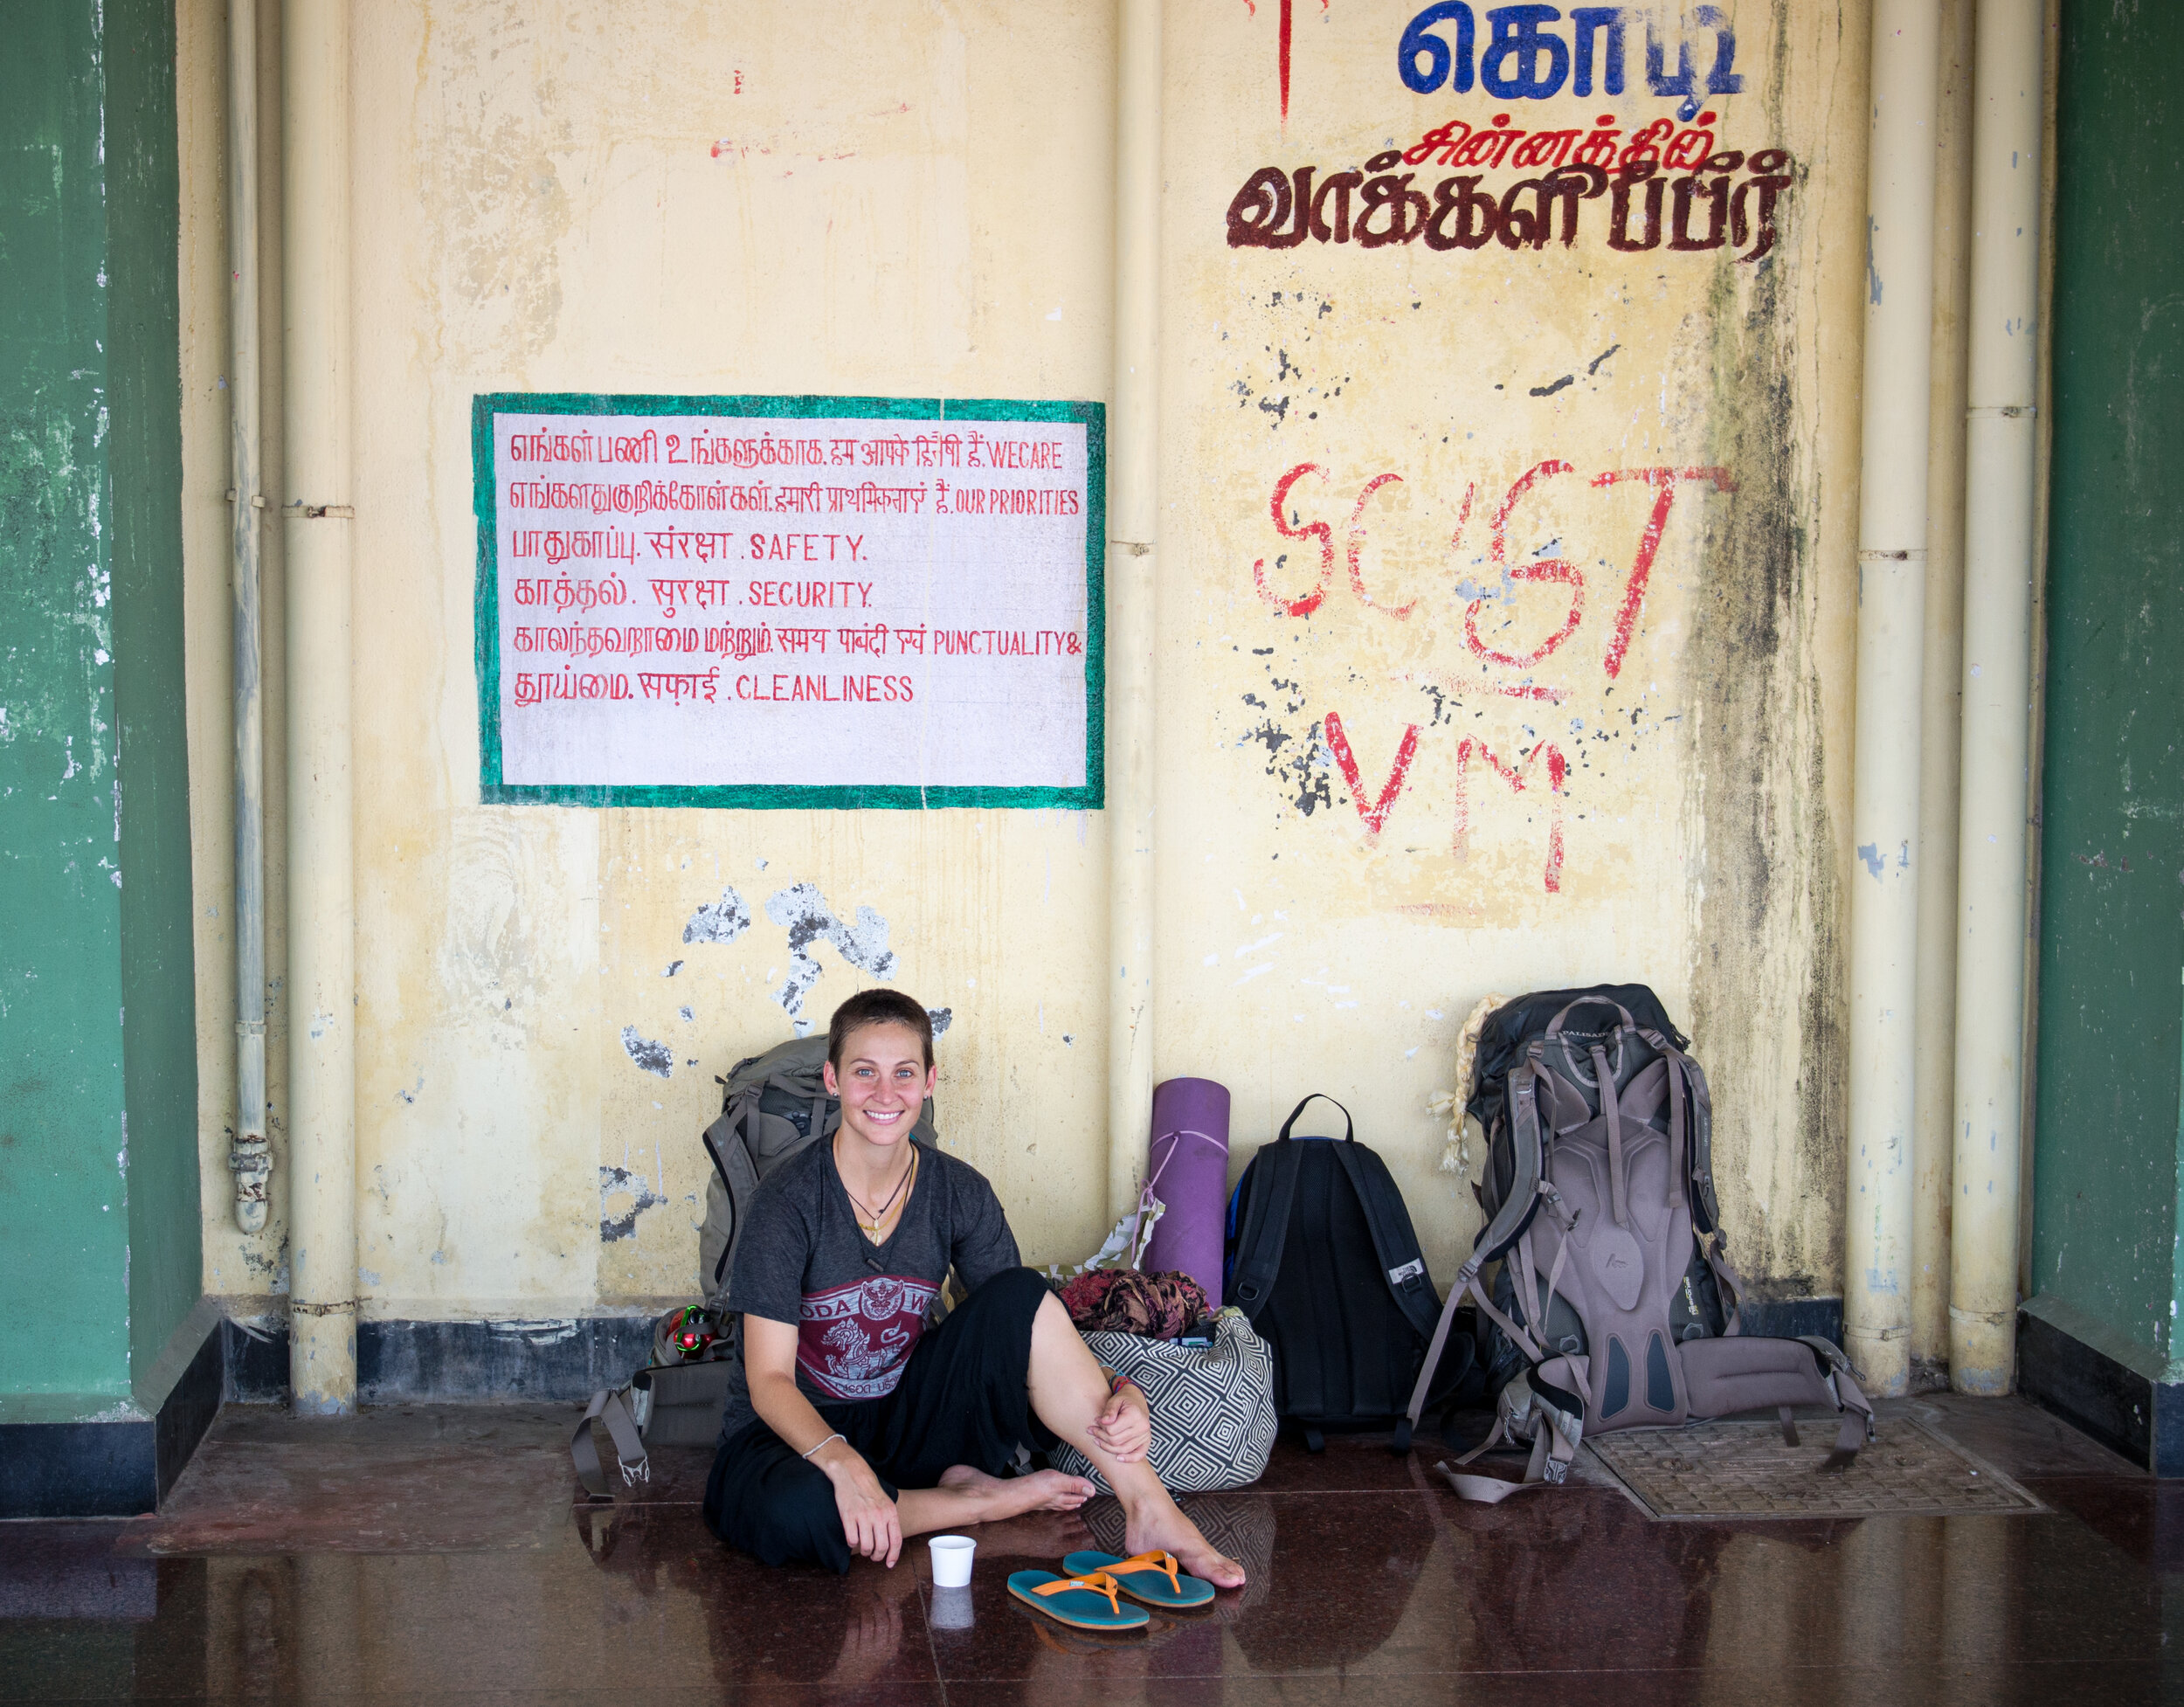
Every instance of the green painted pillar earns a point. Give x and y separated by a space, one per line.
100 1274
2108 1165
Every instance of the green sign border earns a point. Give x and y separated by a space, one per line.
769 796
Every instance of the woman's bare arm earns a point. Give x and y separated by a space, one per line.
769 1367
869 1519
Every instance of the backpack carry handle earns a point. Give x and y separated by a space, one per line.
1554 1026
1350 1127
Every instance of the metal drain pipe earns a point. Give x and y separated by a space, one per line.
322 896
2001 453
1878 1211
250 1156
1133 507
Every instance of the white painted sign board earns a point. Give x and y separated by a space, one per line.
762 602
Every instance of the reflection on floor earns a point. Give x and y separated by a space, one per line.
425 1553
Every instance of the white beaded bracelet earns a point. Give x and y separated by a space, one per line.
844 1439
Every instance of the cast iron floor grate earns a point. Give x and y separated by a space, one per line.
1744 1469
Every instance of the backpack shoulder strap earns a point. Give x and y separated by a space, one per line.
607 1405
725 1144
1266 1225
1394 1240
1522 1200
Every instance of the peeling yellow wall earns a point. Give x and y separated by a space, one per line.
916 199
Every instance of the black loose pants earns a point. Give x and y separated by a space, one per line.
963 1399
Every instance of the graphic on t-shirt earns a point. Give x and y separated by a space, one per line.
853 1340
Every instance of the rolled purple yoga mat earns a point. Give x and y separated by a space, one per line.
1187 1169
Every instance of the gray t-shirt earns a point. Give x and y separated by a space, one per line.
858 1308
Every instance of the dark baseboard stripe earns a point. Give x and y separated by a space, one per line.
111 1469
78 1470
556 1362
1788 1318
566 1361
2141 1418
188 1410
257 1359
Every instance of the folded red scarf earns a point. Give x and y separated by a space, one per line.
1160 1306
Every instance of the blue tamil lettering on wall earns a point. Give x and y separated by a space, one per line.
1525 58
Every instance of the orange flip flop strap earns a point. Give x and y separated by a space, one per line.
1164 1563
1099 1582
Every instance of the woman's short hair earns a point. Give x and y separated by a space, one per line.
878 1007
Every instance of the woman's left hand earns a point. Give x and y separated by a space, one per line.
1124 1425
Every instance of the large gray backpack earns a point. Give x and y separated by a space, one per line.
1615 1292
773 1106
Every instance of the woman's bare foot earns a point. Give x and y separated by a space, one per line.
1166 1528
1043 1490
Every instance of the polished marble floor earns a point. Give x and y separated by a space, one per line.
426 1553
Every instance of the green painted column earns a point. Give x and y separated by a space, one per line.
2108 1146
99 1259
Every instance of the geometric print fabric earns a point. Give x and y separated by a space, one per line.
1213 1408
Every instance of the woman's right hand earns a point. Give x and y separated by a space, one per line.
870 1522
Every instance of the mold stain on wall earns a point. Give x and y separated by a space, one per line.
1771 927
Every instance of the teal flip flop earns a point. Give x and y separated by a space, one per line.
1083 1601
1154 1578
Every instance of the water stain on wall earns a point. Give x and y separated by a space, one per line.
492 182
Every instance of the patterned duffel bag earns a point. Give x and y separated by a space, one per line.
1213 1406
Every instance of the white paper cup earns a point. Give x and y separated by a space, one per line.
951 1560
952 1609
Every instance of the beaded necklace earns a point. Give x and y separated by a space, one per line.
879 1216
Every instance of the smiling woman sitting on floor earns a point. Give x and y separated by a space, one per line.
848 1426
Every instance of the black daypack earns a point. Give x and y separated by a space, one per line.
1323 1259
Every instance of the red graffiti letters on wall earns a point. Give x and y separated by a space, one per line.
1356 542
1549 571
1557 769
1282 31
1377 814
1664 482
1319 531
1374 809
1555 570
